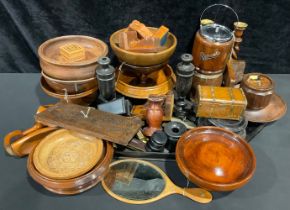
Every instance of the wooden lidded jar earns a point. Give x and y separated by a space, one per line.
258 89
213 45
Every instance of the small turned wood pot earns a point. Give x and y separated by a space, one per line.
258 89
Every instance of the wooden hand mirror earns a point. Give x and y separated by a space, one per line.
139 182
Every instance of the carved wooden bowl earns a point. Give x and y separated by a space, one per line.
83 98
52 66
215 159
71 86
143 59
78 184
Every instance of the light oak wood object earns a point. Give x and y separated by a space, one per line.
72 52
66 154
20 143
220 102
74 185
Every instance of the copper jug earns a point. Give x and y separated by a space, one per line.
213 45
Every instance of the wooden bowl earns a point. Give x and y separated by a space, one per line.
165 80
65 154
71 86
74 185
143 59
84 98
85 69
215 159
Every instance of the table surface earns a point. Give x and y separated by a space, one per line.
269 189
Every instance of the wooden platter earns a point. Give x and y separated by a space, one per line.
275 110
215 158
64 155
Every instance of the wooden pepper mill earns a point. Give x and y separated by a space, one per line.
154 114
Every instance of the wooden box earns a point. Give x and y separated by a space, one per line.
220 102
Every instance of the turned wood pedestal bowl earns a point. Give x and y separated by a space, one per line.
143 59
76 184
215 159
53 66
84 98
164 82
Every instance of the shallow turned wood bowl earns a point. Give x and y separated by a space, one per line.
71 86
53 66
84 98
74 185
143 59
215 159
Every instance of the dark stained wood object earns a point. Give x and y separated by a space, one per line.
258 89
215 159
89 121
210 57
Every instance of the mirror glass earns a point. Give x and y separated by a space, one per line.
134 181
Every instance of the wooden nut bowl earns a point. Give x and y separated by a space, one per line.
215 159
71 86
49 57
83 98
74 185
143 59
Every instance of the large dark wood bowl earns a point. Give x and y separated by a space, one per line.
215 159
74 185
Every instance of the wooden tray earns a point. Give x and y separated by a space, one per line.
64 155
253 129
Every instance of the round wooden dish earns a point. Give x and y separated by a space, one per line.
215 158
64 155
51 64
143 59
164 78
71 86
275 110
78 184
84 98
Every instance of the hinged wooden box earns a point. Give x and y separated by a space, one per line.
220 102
